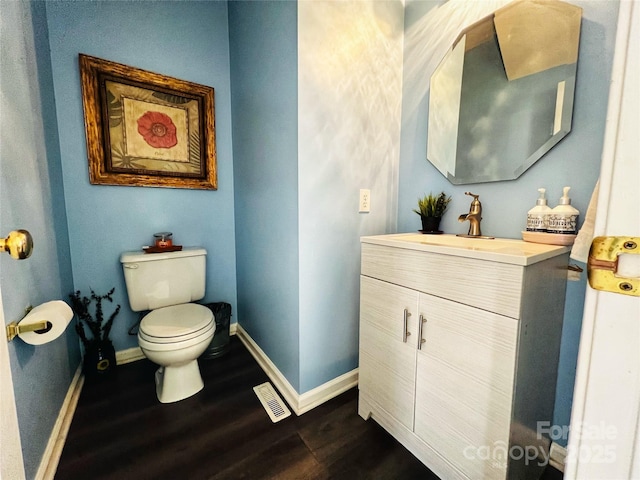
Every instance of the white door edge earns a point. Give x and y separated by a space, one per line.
11 462
604 441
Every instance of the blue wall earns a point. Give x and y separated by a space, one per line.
350 91
575 161
307 136
187 40
32 198
264 80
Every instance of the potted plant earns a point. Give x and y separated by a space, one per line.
431 208
99 354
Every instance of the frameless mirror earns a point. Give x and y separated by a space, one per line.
502 96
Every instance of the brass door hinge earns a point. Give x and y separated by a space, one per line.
602 266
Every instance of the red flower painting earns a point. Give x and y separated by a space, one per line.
158 130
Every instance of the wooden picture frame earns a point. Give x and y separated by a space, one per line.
146 129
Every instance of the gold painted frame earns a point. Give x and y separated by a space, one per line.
146 129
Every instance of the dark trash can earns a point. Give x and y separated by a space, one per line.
220 343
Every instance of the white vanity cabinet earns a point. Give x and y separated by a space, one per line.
459 344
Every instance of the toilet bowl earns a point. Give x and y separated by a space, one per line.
176 331
174 337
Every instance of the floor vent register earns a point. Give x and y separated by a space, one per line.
272 403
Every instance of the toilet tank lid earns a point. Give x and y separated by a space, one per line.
141 256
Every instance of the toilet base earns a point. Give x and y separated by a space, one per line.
175 383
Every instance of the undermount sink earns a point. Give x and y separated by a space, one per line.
496 249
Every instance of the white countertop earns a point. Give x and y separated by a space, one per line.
504 250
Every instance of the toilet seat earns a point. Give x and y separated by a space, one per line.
204 336
176 324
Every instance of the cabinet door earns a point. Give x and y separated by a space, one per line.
464 384
387 355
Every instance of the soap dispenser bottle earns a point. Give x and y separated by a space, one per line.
564 217
538 216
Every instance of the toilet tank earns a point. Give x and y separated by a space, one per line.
156 280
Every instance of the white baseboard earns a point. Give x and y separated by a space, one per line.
308 400
311 399
279 380
129 355
557 456
58 437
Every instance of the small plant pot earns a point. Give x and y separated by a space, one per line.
430 224
99 359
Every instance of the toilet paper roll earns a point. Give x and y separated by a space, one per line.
56 312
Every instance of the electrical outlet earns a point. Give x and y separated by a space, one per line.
365 200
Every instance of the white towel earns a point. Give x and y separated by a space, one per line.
582 244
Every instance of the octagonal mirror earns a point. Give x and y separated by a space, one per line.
503 95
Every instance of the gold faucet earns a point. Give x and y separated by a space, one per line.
474 216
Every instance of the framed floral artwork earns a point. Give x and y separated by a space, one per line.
147 129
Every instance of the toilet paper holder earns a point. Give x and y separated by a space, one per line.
15 328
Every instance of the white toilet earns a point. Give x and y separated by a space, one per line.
176 332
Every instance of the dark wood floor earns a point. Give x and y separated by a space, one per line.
121 431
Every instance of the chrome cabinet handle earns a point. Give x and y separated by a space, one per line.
420 339
405 332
